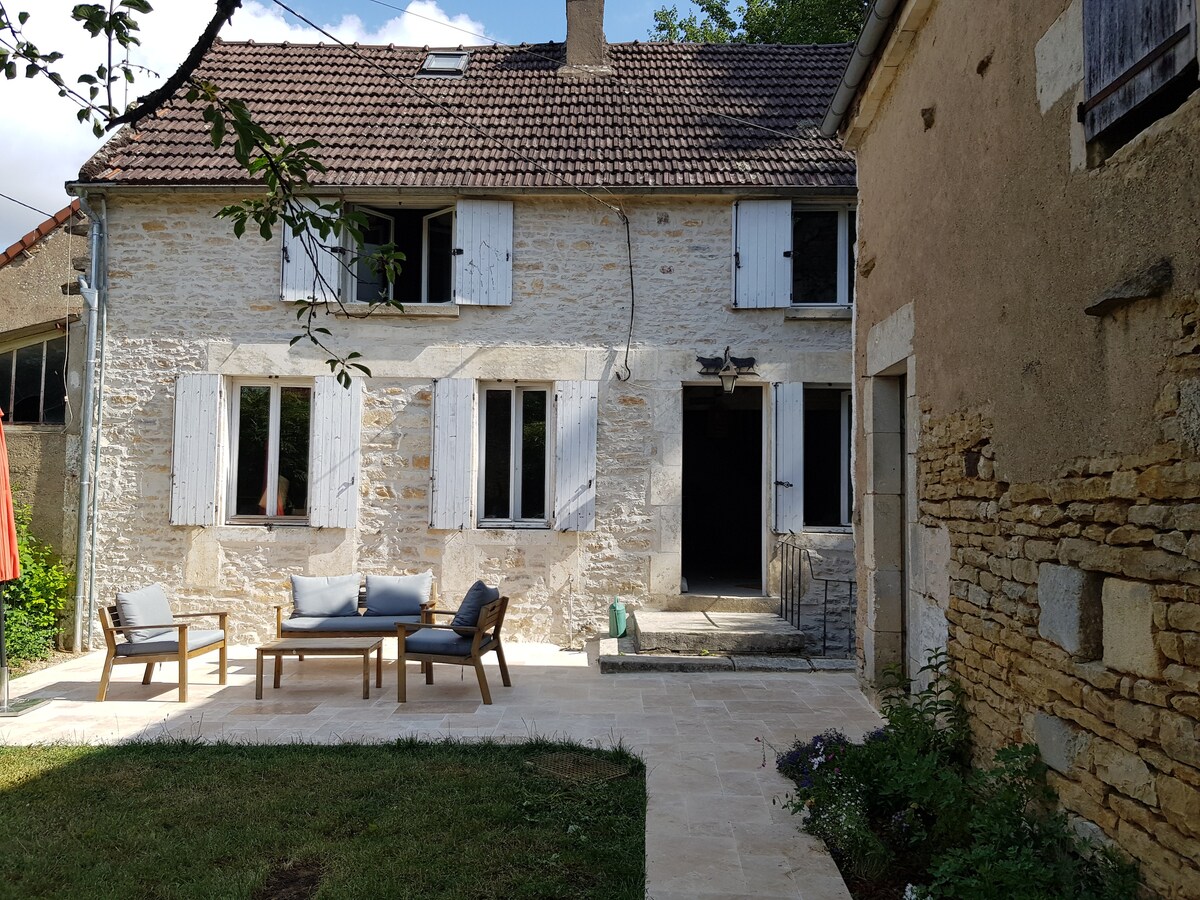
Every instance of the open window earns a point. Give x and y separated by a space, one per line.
425 237
813 488
793 254
32 383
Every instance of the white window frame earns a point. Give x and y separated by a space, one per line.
845 253
845 448
231 467
453 210
350 272
514 487
7 401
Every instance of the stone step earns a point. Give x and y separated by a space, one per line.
717 603
615 657
714 633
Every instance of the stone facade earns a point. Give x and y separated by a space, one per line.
1029 462
186 296
38 297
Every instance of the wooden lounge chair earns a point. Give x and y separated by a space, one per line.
149 642
456 644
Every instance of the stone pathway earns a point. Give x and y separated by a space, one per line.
712 830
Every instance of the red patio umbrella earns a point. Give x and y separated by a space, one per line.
10 561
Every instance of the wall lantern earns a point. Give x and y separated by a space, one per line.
727 369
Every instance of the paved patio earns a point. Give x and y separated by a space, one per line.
712 830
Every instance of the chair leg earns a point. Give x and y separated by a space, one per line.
483 685
223 662
149 673
183 676
402 679
503 666
428 672
104 676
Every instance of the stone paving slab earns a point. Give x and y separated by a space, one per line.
715 632
708 739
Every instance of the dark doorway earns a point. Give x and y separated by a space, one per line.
722 490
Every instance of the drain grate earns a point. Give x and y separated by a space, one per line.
578 767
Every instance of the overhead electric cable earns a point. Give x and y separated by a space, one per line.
27 206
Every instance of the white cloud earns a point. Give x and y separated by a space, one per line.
42 145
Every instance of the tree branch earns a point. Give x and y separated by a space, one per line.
157 98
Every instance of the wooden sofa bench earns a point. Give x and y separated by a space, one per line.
356 624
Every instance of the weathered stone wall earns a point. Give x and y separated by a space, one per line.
1075 615
186 296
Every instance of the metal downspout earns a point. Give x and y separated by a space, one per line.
90 288
103 350
873 31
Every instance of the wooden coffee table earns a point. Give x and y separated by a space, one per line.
321 647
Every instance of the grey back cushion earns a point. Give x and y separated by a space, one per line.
478 596
147 606
398 595
325 595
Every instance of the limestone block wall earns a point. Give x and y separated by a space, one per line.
187 296
1075 616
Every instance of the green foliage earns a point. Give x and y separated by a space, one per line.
907 801
763 22
34 602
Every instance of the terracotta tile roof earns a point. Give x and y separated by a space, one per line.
57 220
656 122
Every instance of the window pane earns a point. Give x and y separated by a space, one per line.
441 239
533 454
295 413
372 286
822 457
497 450
55 402
6 362
814 256
851 239
28 399
254 406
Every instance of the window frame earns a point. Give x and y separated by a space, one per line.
233 425
350 271
516 389
846 254
7 402
845 459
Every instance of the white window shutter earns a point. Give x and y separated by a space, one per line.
312 267
453 441
194 449
576 409
789 458
335 453
483 245
762 264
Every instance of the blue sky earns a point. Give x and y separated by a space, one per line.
42 146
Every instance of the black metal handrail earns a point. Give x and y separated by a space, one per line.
795 560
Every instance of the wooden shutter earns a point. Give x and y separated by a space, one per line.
312 267
1132 48
335 454
483 245
194 449
789 457
576 407
762 253
453 442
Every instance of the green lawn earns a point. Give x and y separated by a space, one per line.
412 820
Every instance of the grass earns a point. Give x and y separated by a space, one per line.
409 819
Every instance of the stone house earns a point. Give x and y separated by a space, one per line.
581 222
40 370
1027 359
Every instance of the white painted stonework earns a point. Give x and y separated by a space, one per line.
186 296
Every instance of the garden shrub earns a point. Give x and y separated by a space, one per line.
34 602
905 806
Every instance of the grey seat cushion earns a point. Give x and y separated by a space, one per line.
324 595
478 596
398 595
197 638
440 641
356 622
147 606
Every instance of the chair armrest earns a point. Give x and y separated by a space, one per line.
417 626
216 612
442 612
176 625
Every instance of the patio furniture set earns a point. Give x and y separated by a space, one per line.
331 616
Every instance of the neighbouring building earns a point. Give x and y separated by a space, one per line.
581 221
1027 355
39 389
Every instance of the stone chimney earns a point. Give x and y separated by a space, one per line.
587 50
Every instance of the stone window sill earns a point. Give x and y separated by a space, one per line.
410 311
818 313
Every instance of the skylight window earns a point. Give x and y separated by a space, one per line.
451 63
